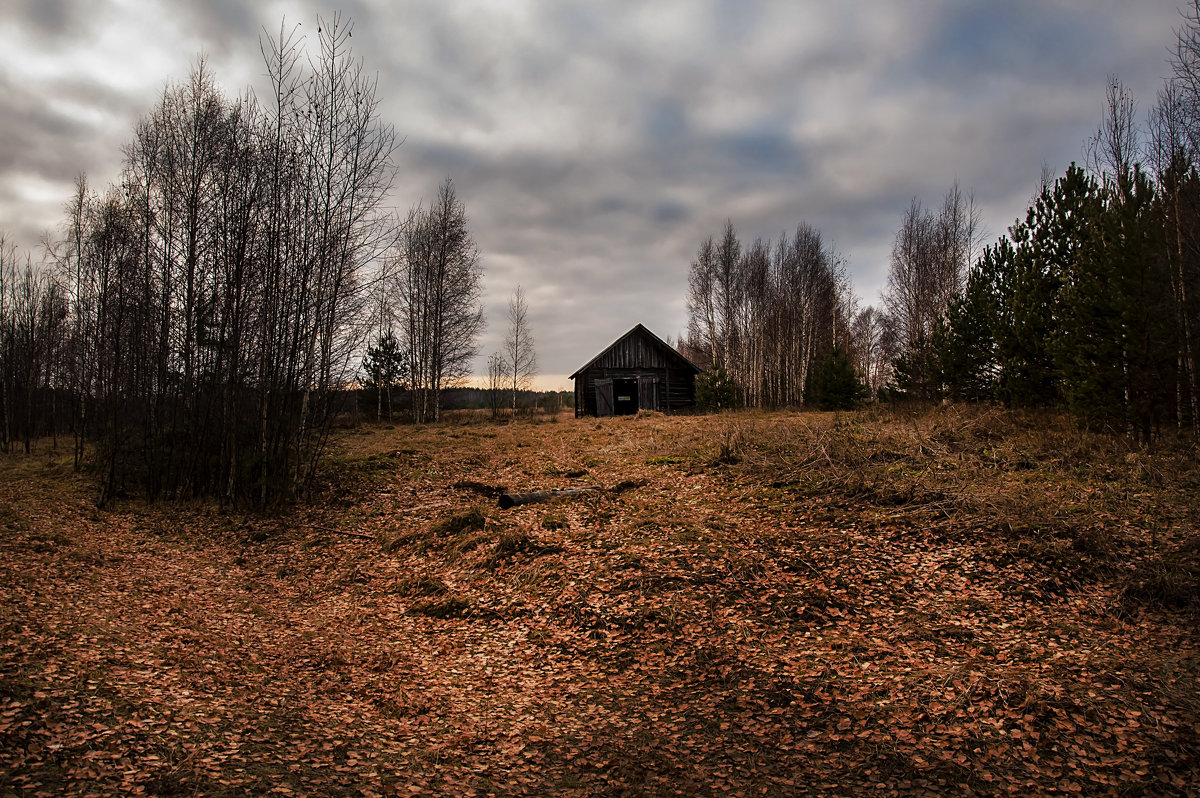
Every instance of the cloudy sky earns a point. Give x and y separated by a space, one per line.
597 142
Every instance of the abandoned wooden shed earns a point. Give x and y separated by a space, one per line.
639 371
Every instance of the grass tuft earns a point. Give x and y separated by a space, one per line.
472 520
443 607
1166 582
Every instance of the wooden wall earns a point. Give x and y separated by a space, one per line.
666 381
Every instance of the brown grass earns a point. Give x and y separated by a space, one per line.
952 601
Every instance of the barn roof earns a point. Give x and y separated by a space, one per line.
667 352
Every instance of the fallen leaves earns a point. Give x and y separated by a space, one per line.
701 632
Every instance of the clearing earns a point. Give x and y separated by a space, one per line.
954 601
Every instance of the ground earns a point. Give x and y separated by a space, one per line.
964 601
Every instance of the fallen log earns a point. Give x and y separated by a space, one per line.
508 500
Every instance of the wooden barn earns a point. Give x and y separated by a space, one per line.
637 372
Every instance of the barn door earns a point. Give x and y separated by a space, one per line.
648 393
604 396
625 396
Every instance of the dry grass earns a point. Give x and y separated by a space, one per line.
955 601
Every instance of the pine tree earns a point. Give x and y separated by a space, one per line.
1116 344
1029 278
835 385
964 345
715 390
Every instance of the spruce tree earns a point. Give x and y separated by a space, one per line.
384 370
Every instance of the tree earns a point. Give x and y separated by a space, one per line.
714 390
703 335
498 372
963 344
836 384
385 369
439 299
728 286
519 354
870 332
931 256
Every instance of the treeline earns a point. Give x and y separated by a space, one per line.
497 401
204 315
760 318
777 324
1091 301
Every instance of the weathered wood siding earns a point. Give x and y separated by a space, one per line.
666 380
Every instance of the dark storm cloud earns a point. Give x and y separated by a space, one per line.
221 22
51 134
596 144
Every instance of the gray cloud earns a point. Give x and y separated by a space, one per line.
54 23
596 145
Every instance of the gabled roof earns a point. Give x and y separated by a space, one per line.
638 330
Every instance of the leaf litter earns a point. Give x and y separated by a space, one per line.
852 604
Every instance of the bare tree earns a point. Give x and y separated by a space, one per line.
703 335
8 339
729 296
1115 147
869 330
931 255
518 346
440 305
498 372
767 312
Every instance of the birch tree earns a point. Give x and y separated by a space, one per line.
440 299
519 349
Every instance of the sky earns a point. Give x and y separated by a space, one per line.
596 143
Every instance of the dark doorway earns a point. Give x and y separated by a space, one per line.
625 397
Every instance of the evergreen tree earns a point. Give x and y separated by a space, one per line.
715 390
963 342
835 385
1029 277
1116 345
914 375
385 369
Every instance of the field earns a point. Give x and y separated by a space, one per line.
956 601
